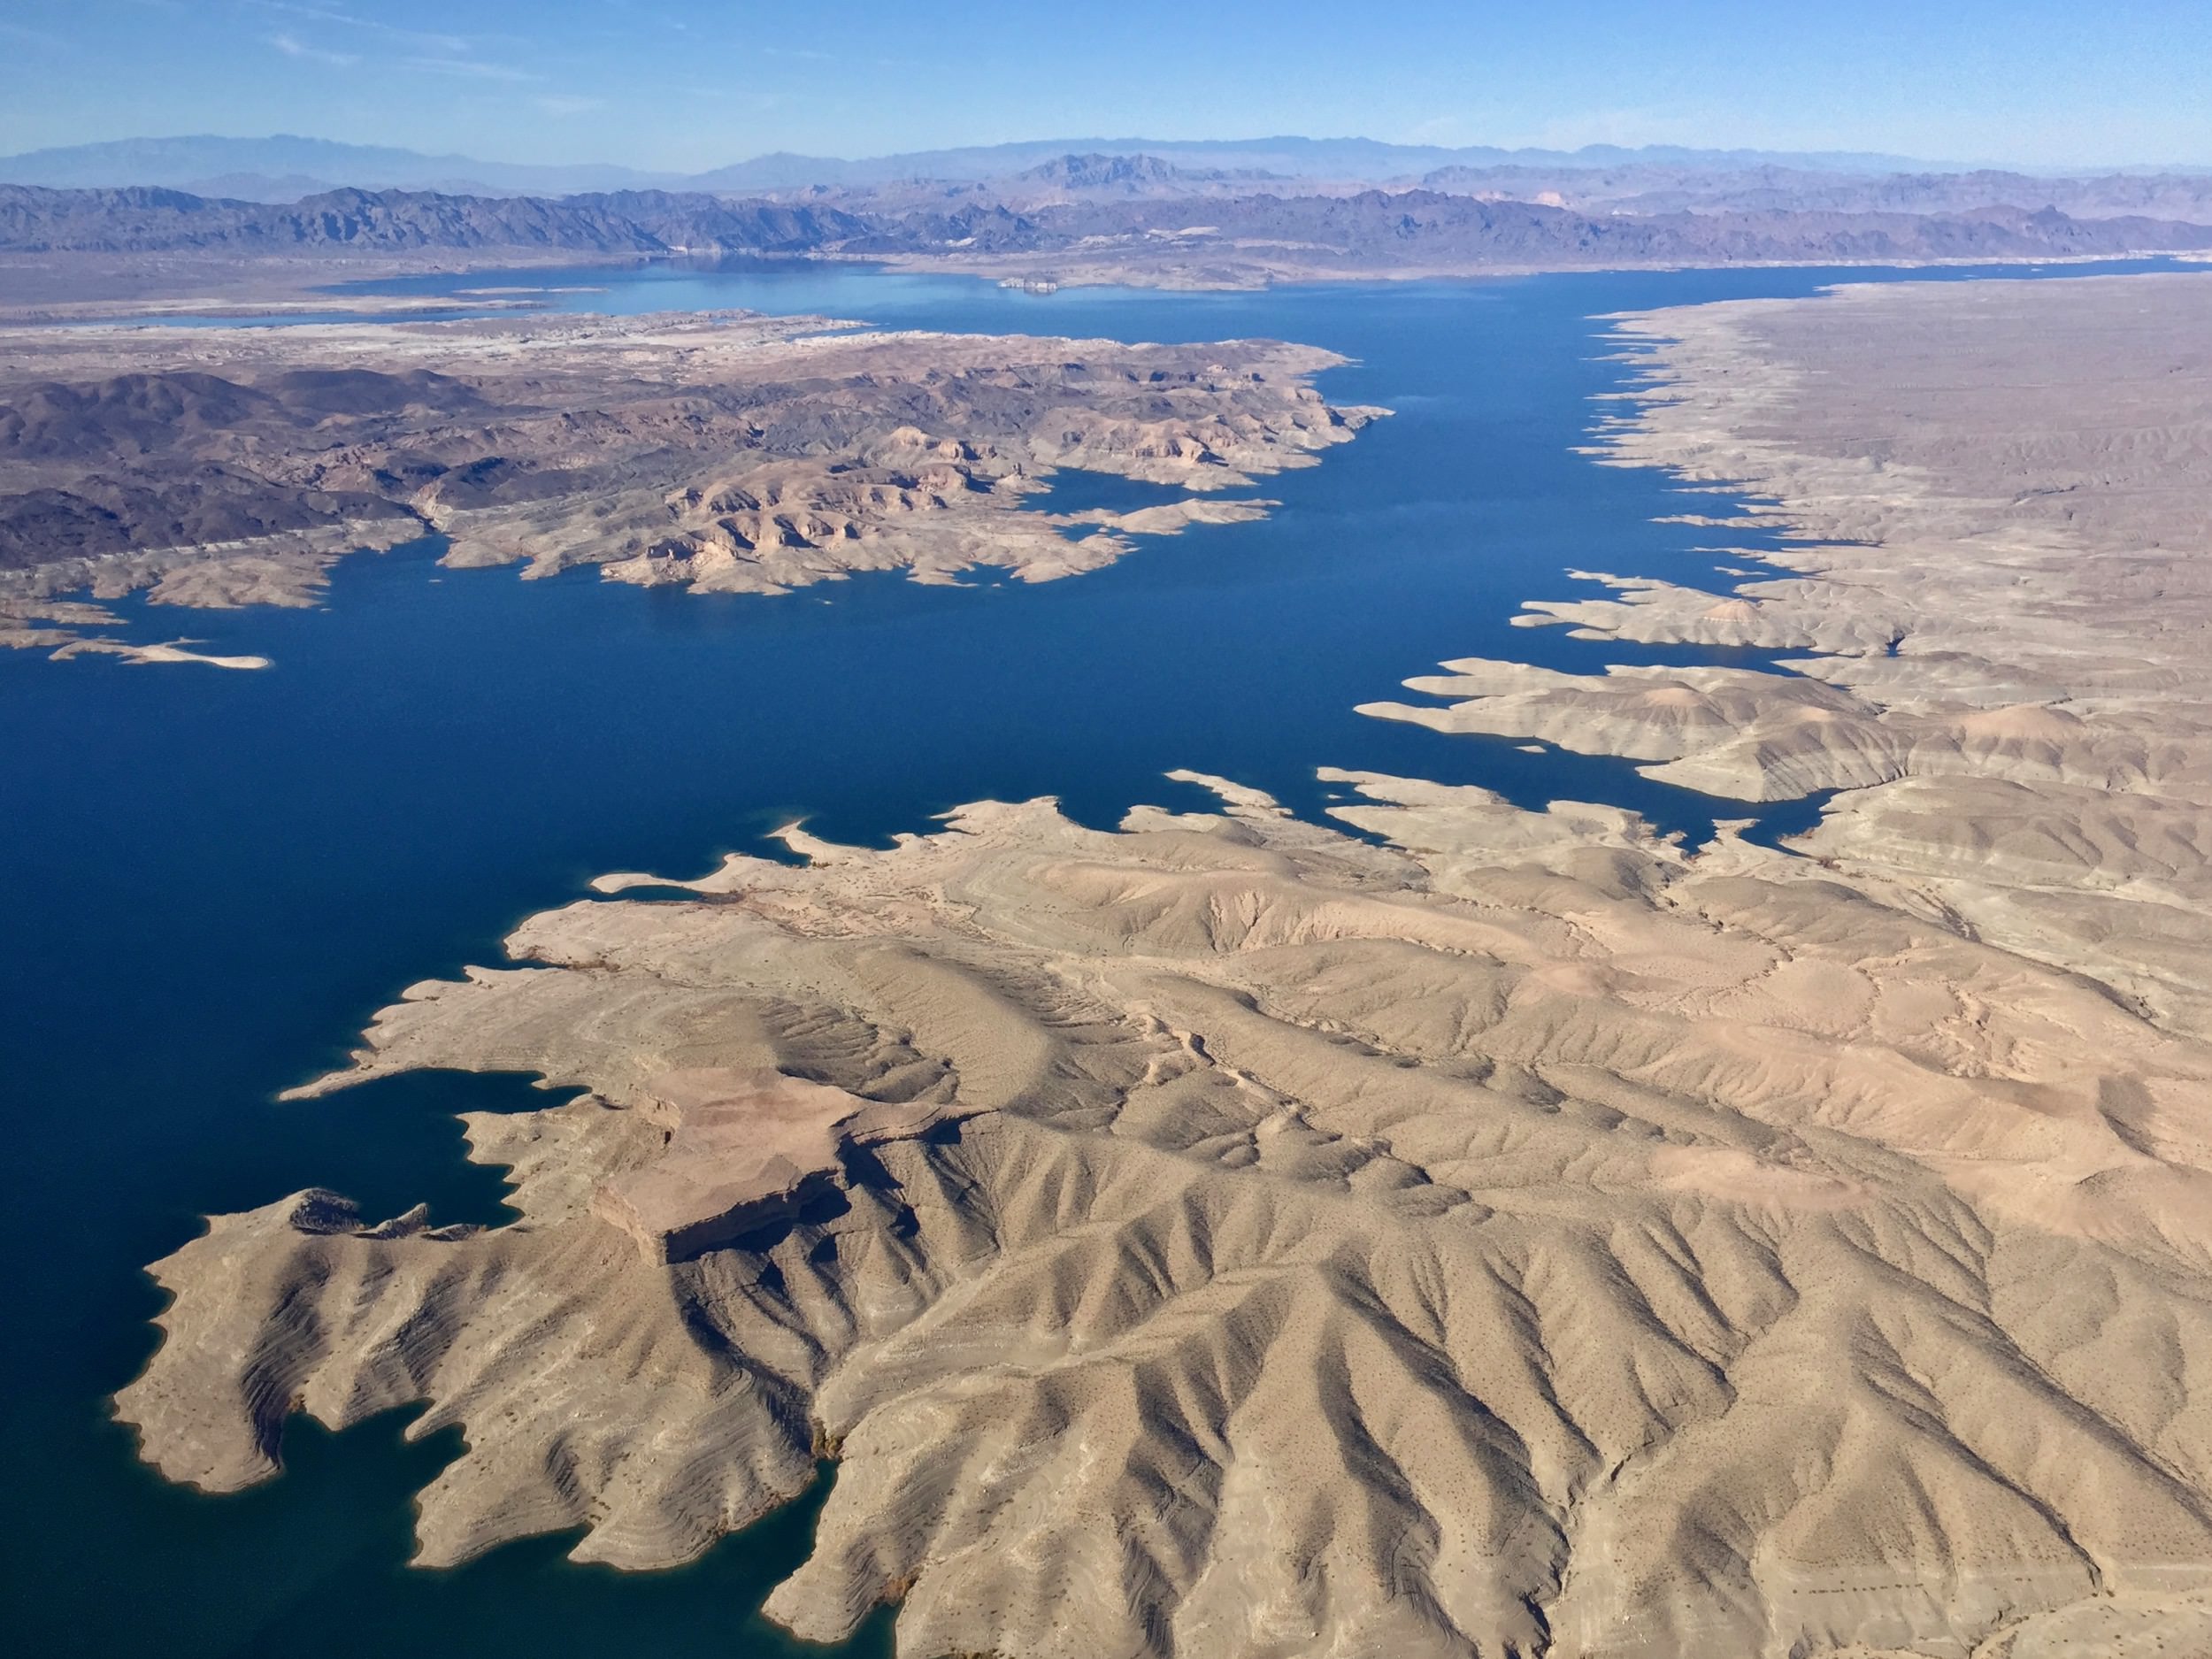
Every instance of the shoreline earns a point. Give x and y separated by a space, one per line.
301 288
717 452
1706 1149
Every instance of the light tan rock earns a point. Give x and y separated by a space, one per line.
1528 1233
1997 506
1504 1232
173 651
745 1150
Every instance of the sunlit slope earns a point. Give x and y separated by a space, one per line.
1526 1237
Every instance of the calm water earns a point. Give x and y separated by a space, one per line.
211 879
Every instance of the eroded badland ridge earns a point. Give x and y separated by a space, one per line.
1492 1233
724 453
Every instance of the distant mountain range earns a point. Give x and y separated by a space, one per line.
284 168
1341 158
1372 231
1221 213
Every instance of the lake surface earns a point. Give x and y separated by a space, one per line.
211 879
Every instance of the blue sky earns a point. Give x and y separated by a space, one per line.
686 84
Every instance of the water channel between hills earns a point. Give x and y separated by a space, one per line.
212 879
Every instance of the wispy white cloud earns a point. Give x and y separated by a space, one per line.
292 46
469 68
416 52
413 40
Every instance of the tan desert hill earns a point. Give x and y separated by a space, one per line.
1529 1238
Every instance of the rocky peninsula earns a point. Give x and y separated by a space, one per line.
722 453
1525 1234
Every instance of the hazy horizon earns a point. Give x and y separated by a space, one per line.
683 86
1045 143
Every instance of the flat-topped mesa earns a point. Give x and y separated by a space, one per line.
746 1149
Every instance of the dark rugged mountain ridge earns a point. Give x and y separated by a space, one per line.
152 459
144 220
1373 229
1384 228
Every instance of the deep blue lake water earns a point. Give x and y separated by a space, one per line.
211 879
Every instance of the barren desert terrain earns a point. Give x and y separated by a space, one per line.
1457 1229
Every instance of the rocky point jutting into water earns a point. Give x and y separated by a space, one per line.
729 454
1488 1232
